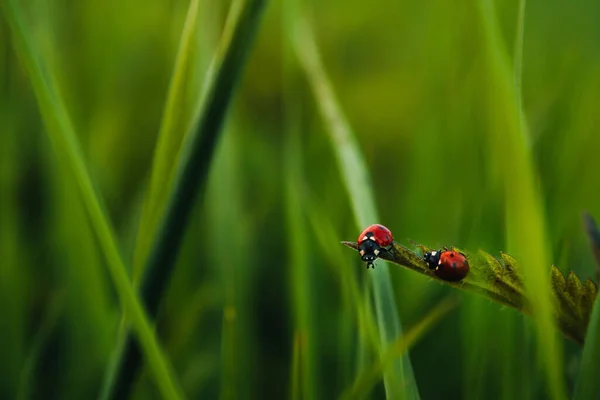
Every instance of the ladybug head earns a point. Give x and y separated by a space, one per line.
369 250
432 258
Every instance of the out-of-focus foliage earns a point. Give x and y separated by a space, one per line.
414 82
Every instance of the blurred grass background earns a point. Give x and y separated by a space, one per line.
262 265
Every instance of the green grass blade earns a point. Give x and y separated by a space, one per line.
47 325
588 380
526 230
174 124
399 381
192 169
300 267
518 62
62 135
295 378
366 381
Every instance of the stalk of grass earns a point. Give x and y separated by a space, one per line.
399 381
526 231
47 326
301 270
295 378
588 379
365 382
13 294
192 170
63 138
174 123
300 267
518 66
227 224
502 281
229 354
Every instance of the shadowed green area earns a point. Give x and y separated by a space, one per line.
264 302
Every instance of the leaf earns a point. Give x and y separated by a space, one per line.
61 132
367 379
191 171
355 176
500 281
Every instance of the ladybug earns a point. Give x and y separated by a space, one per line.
372 241
449 265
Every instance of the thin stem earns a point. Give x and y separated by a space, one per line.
192 171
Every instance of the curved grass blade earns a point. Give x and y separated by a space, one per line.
192 169
174 123
588 380
501 281
368 379
526 231
399 381
63 138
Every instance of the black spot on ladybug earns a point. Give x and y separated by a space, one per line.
452 255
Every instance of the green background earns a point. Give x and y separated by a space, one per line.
262 246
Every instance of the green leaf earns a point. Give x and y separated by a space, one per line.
399 381
193 166
62 135
365 382
174 124
500 281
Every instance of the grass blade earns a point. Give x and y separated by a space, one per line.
588 380
399 381
365 382
174 124
301 274
518 65
192 169
63 138
526 230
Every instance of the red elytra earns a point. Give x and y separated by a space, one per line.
379 233
452 266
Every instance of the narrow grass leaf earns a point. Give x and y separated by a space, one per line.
399 381
300 268
510 154
62 135
368 379
175 122
46 327
296 378
173 125
192 169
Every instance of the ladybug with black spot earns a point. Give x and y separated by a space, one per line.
448 265
372 241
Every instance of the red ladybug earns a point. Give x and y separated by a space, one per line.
448 265
372 241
